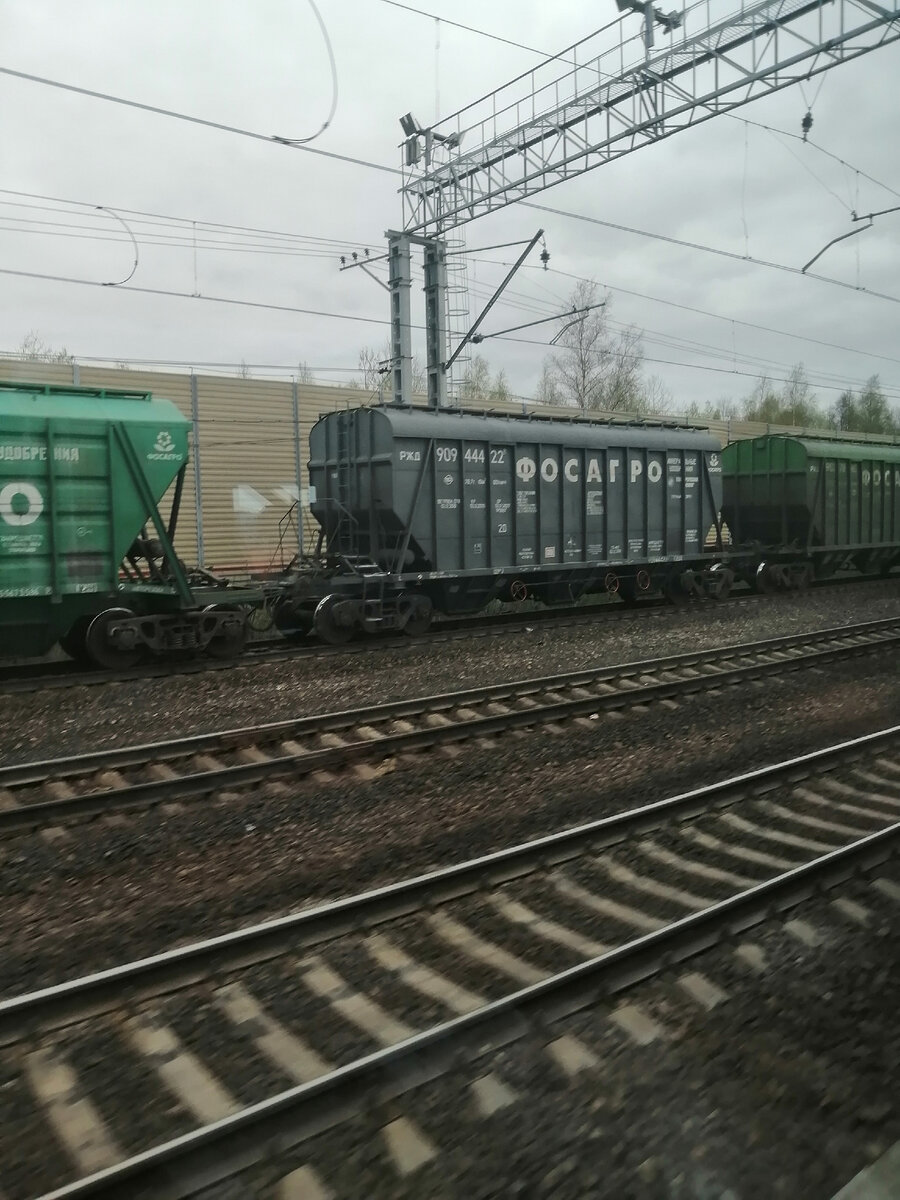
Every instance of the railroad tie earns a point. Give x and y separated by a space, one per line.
888 888
851 910
880 781
253 755
571 1055
408 1147
281 1047
702 990
773 835
639 1025
491 1094
624 913
302 1184
181 1071
691 867
752 955
421 978
787 814
353 1006
293 749
640 883
804 933
853 793
843 806
551 931
478 948
74 1119
735 850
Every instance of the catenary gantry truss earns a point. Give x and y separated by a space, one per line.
569 116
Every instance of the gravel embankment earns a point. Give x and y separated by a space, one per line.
784 1091
47 724
105 892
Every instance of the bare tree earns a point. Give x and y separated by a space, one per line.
34 347
375 365
501 391
548 388
595 368
476 384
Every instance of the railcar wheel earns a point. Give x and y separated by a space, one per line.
293 623
73 641
229 644
721 579
673 589
327 622
101 650
420 611
763 581
804 577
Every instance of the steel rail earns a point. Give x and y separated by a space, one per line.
242 736
61 675
187 965
41 814
45 676
218 1151
38 814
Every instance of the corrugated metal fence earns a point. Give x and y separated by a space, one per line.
250 448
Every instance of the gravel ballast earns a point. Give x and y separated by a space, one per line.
105 892
71 721
783 1091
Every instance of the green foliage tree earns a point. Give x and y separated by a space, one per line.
795 404
869 412
479 385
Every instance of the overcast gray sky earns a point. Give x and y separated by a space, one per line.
264 67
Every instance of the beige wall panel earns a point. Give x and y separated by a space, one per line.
16 370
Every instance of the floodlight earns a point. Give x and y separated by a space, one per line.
410 125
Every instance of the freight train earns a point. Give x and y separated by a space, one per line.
419 512
423 512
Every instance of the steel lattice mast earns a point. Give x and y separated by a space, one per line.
549 126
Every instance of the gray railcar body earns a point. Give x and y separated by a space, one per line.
466 506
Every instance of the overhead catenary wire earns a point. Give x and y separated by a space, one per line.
274 139
300 142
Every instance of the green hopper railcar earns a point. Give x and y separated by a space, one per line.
86 559
811 507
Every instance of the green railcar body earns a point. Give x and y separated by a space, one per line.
825 499
82 475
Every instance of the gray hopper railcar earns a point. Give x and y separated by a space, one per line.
424 511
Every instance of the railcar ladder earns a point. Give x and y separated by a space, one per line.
345 528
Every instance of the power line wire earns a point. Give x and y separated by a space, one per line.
731 320
274 139
494 37
673 241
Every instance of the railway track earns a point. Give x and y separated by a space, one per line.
242 1046
51 793
63 674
